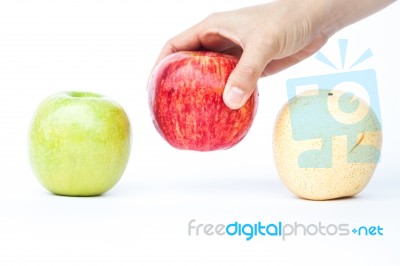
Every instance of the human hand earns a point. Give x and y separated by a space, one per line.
269 38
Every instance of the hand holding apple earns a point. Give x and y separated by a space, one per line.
185 97
79 143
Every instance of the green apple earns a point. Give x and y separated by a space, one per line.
79 143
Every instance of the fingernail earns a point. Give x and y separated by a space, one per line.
234 97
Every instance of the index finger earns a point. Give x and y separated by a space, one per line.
188 40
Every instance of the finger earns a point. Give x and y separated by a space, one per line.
186 41
204 35
243 80
278 65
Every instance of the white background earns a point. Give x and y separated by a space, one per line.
109 47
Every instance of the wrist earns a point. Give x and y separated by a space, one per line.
341 13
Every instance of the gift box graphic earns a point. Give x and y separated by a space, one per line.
320 123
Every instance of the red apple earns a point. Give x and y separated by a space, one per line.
185 96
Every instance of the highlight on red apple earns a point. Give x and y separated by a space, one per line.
185 96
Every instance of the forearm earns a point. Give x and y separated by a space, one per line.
342 13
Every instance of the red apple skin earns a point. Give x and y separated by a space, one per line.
185 97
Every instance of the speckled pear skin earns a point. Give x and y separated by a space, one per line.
340 157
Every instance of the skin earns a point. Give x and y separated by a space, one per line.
270 37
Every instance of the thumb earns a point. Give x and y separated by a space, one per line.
243 80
